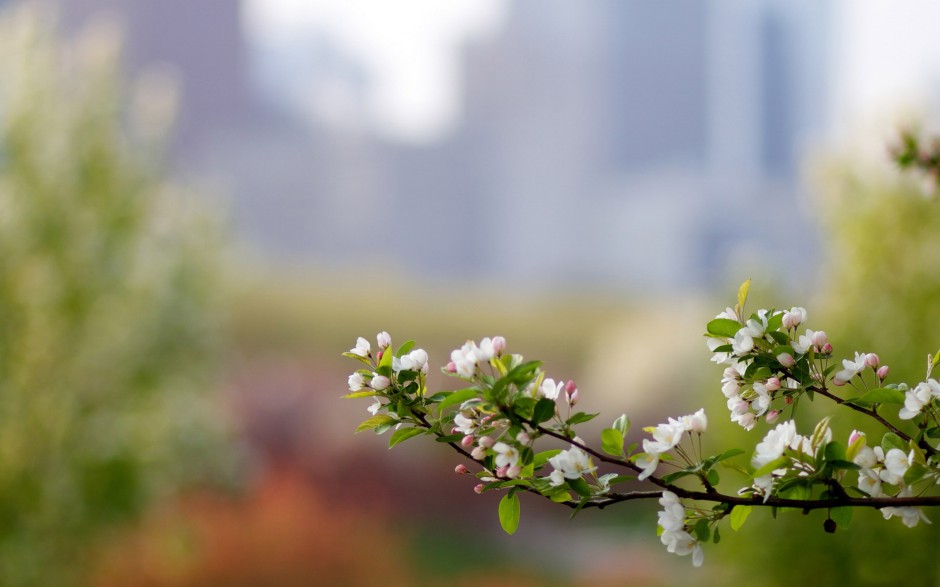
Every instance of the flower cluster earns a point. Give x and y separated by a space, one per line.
666 437
674 535
508 407
884 469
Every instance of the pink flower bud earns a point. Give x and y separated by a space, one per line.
855 436
513 471
772 416
523 437
485 441
478 488
786 359
378 355
451 367
467 441
871 359
773 384
478 454
461 469
819 339
882 372
573 397
454 430
501 471
499 344
827 348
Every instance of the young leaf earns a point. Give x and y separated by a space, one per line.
542 457
742 294
356 394
457 397
723 327
403 434
544 410
779 463
612 442
509 512
405 348
580 418
842 516
622 424
739 515
376 421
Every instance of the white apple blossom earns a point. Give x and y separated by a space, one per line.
714 343
774 444
550 389
672 517
506 454
375 407
674 537
910 516
812 339
696 422
416 360
665 437
379 382
362 348
794 317
896 464
915 399
572 463
356 382
465 423
383 339
648 463
850 369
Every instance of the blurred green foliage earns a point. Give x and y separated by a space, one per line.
107 295
880 292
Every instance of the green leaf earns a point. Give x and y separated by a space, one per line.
729 454
891 440
739 515
509 512
542 457
403 434
405 348
581 418
580 487
622 424
713 477
882 395
669 478
933 432
778 463
834 452
386 362
915 473
742 293
723 327
356 394
842 516
457 397
376 421
841 464
544 410
612 442
702 531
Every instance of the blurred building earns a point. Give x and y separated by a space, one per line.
626 144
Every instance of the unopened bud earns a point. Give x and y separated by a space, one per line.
855 436
819 339
513 471
478 488
772 416
826 349
786 359
478 453
467 441
523 437
451 367
882 372
501 471
485 441
384 339
773 384
573 397
871 359
499 344
378 355
461 469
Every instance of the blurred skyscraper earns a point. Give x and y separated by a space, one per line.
625 143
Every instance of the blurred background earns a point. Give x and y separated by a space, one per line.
202 204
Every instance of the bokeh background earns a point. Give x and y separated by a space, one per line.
202 204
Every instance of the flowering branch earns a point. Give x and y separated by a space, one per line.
508 406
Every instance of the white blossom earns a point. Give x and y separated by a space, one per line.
794 317
362 348
915 399
374 408
465 423
506 454
356 382
379 382
572 463
383 339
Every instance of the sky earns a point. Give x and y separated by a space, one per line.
409 48
885 54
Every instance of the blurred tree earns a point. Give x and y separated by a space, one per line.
879 293
108 292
